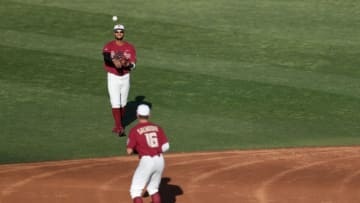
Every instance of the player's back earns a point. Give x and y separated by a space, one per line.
147 138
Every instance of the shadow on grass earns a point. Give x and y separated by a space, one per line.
130 111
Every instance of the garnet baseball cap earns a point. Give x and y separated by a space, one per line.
143 110
119 27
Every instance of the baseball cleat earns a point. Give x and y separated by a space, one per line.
119 131
122 134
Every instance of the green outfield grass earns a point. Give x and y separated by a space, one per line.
219 74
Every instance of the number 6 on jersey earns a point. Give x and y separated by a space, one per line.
152 140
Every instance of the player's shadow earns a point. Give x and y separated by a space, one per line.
168 192
130 111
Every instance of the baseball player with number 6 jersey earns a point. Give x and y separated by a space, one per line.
149 141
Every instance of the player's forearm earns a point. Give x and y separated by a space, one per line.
108 60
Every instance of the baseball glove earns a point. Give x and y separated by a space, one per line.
120 61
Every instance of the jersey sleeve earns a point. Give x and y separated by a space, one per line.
132 54
131 142
106 48
162 137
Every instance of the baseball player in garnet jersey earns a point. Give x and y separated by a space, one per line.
119 60
149 141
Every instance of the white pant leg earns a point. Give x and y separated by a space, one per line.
125 83
153 185
141 176
118 88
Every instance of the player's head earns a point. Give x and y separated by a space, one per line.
143 111
119 31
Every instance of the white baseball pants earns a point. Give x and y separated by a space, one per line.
118 88
149 171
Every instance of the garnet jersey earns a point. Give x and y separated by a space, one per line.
126 49
147 139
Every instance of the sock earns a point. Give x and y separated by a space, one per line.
137 200
156 198
117 117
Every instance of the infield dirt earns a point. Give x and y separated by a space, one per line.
298 175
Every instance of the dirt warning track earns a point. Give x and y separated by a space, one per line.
299 175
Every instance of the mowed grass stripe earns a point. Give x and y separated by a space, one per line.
64 120
303 30
50 44
45 124
250 122
330 83
230 68
186 90
306 20
255 43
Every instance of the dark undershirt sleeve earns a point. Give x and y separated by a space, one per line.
108 60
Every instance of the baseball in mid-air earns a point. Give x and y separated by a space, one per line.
114 18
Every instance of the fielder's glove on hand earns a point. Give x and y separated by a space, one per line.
120 61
